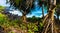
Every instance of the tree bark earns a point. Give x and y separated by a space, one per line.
51 15
43 10
24 18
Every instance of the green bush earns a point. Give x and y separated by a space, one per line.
10 32
40 26
32 27
30 31
23 26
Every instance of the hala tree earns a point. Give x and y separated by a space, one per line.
23 5
49 25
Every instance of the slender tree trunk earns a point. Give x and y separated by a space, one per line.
43 10
58 16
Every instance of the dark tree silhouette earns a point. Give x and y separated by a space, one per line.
23 5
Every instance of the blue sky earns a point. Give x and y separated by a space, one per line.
37 11
3 3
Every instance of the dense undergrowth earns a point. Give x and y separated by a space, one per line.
30 27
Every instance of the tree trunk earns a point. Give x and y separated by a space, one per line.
51 16
24 18
43 10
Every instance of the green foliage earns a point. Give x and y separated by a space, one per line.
10 32
4 20
31 27
34 19
40 26
23 26
1 8
30 31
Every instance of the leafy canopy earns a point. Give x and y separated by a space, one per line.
24 5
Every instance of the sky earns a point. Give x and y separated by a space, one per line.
37 11
3 3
